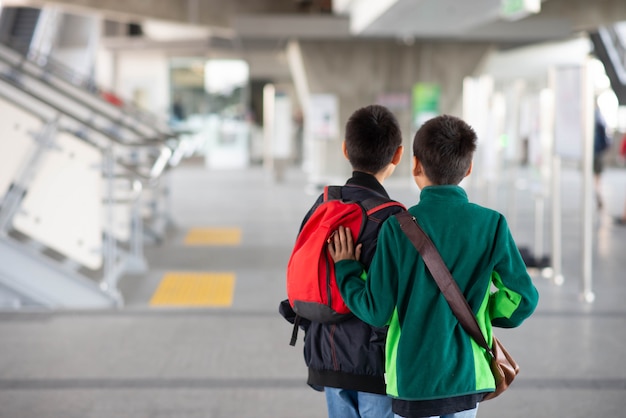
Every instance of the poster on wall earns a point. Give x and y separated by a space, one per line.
568 112
323 117
283 126
426 102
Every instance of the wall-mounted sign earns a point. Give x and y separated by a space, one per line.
426 102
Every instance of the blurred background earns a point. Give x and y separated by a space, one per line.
138 88
158 156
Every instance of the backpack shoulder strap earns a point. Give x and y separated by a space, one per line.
332 193
371 205
374 204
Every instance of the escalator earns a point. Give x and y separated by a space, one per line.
609 46
77 176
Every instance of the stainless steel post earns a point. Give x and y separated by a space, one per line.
557 255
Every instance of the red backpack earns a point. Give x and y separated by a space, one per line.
311 286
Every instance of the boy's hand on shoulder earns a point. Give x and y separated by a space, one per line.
341 246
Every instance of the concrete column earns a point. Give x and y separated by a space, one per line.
359 71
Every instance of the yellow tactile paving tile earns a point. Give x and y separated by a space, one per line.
213 236
194 289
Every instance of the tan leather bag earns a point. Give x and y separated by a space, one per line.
503 367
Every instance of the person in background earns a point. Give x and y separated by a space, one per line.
621 220
601 143
178 111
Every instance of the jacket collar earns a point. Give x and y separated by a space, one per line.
362 179
447 192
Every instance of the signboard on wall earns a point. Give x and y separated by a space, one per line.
323 117
426 102
283 126
568 112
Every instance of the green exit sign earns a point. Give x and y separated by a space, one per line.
518 9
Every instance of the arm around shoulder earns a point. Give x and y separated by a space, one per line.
368 299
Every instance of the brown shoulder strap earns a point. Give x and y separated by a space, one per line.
442 276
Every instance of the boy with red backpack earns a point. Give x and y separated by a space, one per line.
434 367
345 358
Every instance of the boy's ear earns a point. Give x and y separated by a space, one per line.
469 170
345 150
397 156
416 167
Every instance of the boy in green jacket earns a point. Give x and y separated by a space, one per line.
433 367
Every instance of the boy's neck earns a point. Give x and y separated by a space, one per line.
385 173
378 176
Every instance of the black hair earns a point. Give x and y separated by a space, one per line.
445 147
372 138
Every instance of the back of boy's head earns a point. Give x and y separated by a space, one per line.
445 147
372 137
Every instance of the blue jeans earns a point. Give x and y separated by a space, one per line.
469 413
343 403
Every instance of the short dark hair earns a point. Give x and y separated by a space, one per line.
445 147
372 137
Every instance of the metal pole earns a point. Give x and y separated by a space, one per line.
136 262
512 198
269 100
557 257
539 226
109 245
587 175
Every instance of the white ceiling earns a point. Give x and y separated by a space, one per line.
259 20
453 19
408 20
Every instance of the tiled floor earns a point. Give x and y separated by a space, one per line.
231 357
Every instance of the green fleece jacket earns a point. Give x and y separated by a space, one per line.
428 354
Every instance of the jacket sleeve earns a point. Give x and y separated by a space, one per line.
516 296
372 299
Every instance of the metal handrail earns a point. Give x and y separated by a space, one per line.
64 72
153 173
73 77
22 65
